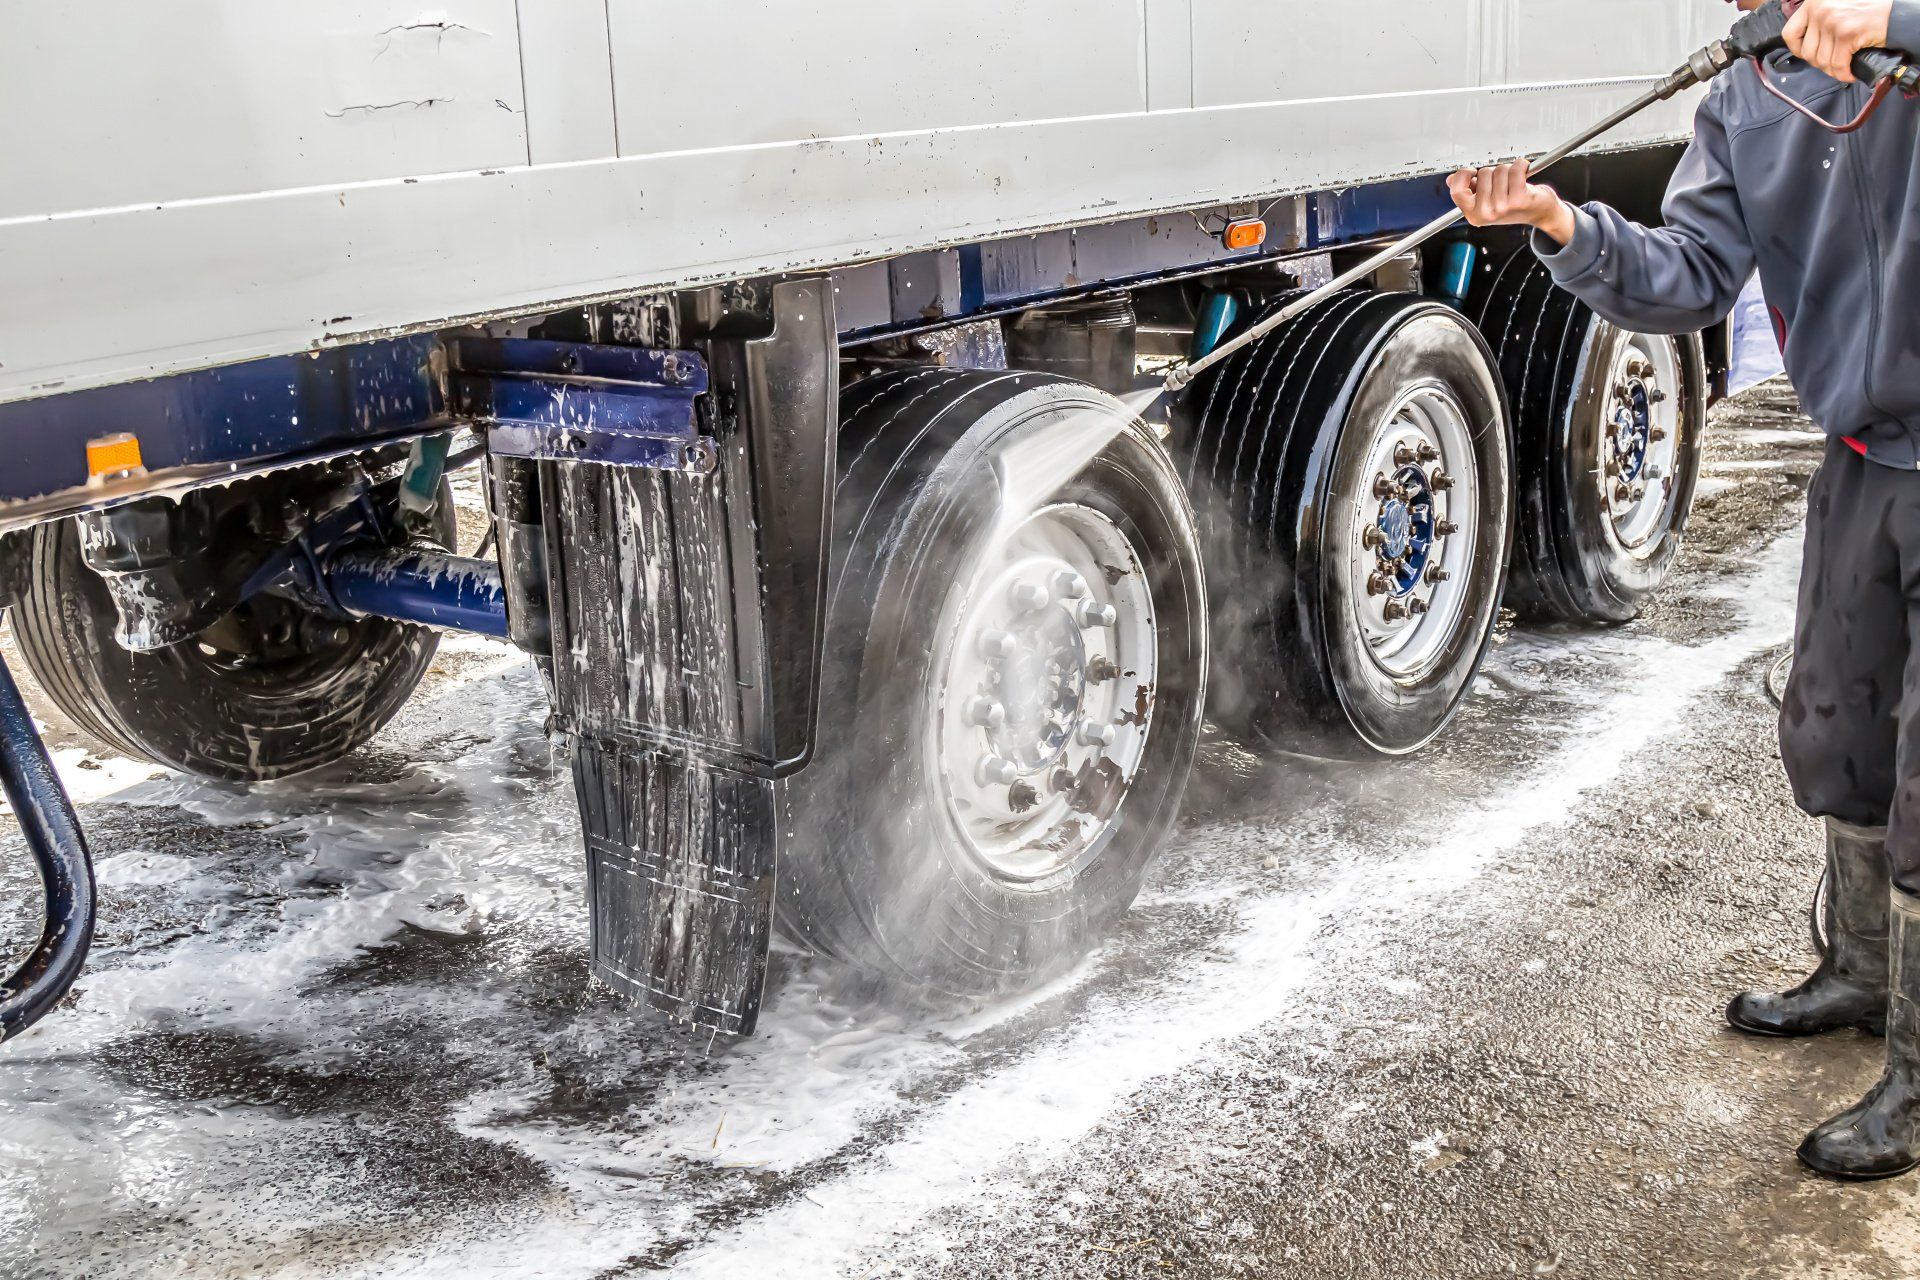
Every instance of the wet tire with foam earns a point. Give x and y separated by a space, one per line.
1351 471
1608 433
1015 660
218 705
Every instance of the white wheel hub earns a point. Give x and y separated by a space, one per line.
1415 531
1045 691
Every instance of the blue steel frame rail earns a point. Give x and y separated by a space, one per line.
225 422
215 423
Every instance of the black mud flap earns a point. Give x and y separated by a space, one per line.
680 879
686 629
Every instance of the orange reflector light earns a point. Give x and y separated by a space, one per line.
113 455
1245 234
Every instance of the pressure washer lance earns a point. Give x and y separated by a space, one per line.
1754 36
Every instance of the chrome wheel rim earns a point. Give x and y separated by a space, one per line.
1415 532
1640 441
1043 696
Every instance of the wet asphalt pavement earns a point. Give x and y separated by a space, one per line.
1456 1015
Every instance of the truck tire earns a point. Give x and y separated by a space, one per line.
1015 666
1608 429
271 689
1351 473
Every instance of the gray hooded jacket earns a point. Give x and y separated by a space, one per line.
1833 223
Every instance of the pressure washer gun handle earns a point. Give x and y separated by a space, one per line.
1760 32
1871 66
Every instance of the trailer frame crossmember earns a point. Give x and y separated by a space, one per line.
583 402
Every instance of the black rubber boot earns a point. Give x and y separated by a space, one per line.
1879 1136
1849 989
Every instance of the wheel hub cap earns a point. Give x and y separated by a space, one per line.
1042 685
1407 527
1640 442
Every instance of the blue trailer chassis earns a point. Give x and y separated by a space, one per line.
225 422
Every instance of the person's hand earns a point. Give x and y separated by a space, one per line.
1502 196
1827 33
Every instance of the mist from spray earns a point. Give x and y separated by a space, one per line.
1034 469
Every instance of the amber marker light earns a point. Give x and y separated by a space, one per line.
109 457
1247 233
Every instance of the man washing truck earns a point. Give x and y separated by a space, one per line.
1831 218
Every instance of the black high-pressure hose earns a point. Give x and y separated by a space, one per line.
1765 29
60 852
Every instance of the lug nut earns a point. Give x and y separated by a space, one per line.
1384 488
1621 493
1379 583
1622 391
1091 613
1029 596
1063 780
997 646
1657 434
985 712
1656 396
1427 453
1403 454
1638 491
1396 611
1613 466
1069 585
1417 606
1436 575
999 770
1443 528
1373 536
1440 481
1094 734
1101 670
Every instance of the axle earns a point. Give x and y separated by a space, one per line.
432 588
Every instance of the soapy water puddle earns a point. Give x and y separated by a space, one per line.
342 1024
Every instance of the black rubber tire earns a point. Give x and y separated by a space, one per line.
870 871
1272 457
185 709
1555 355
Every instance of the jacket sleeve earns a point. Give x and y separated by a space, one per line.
1903 26
1676 278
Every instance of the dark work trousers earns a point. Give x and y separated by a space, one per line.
1850 723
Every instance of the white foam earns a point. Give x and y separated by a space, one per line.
982 1140
885 1119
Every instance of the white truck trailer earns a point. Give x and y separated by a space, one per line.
795 338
